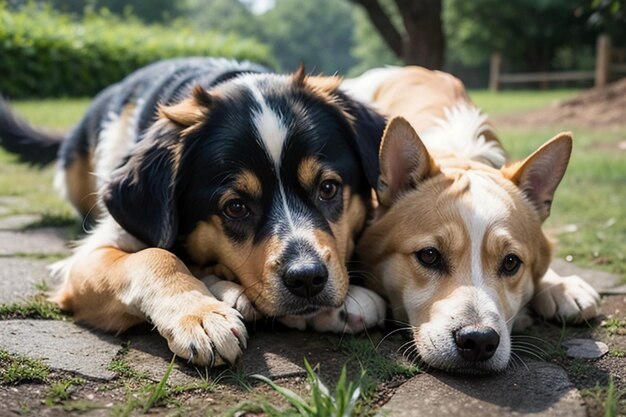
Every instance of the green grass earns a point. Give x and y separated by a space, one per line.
60 390
591 196
341 402
59 114
17 369
123 369
35 308
503 102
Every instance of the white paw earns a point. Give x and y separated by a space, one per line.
567 299
232 295
362 310
201 329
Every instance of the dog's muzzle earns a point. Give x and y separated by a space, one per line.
476 344
303 273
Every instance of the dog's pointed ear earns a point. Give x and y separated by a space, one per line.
190 111
539 175
141 195
404 161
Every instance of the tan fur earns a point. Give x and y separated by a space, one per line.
307 172
113 290
80 184
441 201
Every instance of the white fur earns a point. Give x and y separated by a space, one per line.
363 309
114 143
365 85
461 133
232 295
486 205
569 299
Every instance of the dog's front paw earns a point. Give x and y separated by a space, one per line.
362 310
202 329
233 296
567 299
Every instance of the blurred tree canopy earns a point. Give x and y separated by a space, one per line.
342 35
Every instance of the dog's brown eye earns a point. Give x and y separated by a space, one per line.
236 209
429 257
328 189
510 265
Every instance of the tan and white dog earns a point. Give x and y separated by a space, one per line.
457 242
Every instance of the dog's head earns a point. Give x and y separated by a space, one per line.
459 245
263 177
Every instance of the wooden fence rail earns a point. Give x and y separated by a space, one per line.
609 61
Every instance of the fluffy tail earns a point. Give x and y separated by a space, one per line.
30 144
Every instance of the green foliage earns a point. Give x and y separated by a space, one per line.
532 34
20 369
322 403
45 53
318 33
369 49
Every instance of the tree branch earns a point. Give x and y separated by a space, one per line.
383 24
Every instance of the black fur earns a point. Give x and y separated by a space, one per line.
31 145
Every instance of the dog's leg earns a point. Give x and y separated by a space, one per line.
568 299
363 309
232 295
112 290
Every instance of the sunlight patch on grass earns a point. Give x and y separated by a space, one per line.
503 102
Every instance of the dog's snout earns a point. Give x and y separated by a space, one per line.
476 344
306 279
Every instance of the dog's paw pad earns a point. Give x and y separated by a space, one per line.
207 334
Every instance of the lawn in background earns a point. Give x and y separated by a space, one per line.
588 216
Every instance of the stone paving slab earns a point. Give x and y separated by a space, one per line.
276 355
542 390
61 345
19 221
18 278
603 282
36 241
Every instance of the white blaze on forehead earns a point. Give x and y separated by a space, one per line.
484 207
272 133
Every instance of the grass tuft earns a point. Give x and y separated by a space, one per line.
321 403
18 369
38 307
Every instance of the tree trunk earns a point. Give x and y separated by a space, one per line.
423 43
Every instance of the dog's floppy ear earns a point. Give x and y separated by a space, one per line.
539 175
404 161
141 195
368 127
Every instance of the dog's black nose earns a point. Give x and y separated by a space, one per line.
306 279
476 343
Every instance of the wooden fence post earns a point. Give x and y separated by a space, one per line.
494 71
603 60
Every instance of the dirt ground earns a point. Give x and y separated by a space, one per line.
594 108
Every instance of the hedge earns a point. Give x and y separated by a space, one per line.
47 54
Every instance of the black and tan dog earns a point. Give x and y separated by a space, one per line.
254 177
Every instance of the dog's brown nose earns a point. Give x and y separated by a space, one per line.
306 279
476 343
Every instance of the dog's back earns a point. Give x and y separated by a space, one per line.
436 105
115 121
